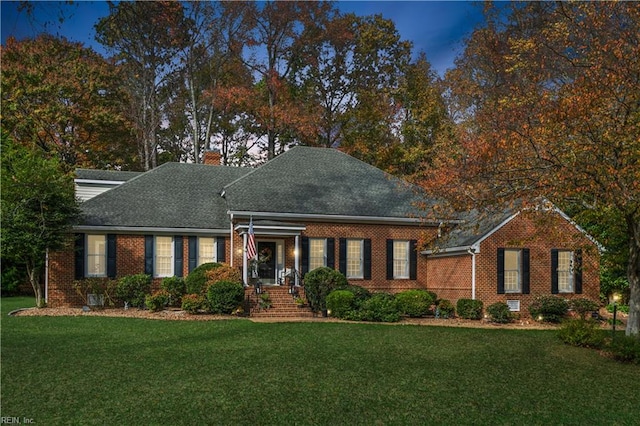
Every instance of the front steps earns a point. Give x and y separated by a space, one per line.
282 303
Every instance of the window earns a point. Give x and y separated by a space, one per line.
206 250
96 256
514 305
401 259
317 253
163 257
512 271
565 271
355 259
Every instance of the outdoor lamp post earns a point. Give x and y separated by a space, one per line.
615 311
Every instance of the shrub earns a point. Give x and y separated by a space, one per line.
381 307
549 308
445 309
340 303
620 308
196 280
133 289
361 294
625 349
581 332
11 279
157 301
319 283
499 312
225 296
583 306
223 272
469 309
175 287
192 303
414 303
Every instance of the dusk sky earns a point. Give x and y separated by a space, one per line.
437 28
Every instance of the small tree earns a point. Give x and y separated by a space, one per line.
38 209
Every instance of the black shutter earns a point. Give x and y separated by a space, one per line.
111 255
554 271
79 256
304 252
500 271
389 259
367 259
577 271
342 256
413 260
193 253
331 253
220 249
525 271
178 258
148 254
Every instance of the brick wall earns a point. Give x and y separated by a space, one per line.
448 276
378 235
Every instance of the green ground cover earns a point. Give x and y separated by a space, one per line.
97 370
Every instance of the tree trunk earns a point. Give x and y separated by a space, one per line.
633 275
34 279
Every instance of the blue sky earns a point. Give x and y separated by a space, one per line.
437 28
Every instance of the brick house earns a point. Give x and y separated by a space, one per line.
309 207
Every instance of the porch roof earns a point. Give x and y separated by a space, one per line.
271 227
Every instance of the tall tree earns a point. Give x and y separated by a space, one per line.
145 38
279 30
548 103
67 99
38 208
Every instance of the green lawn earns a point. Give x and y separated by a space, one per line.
95 370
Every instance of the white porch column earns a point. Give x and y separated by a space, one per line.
296 254
245 276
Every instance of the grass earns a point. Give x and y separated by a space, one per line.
96 370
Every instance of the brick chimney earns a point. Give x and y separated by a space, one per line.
212 157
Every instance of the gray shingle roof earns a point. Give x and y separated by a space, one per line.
322 181
173 195
109 175
474 227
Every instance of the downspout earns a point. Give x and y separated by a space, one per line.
296 254
472 252
231 237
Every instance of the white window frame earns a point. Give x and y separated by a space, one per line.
355 258
158 257
513 277
401 259
96 256
566 259
317 253
214 249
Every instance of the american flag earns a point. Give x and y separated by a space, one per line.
251 242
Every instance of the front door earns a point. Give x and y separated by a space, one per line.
267 262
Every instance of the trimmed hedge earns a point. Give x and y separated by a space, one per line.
175 287
340 303
381 307
197 279
549 309
157 301
414 303
469 309
133 289
224 297
500 313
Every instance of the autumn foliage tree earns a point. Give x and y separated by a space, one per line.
67 99
548 106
